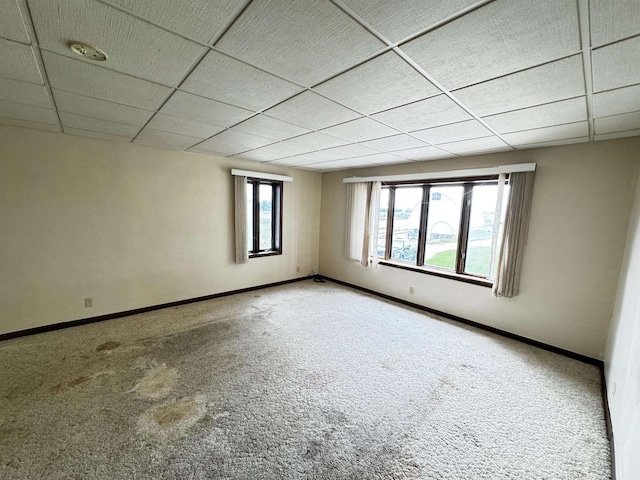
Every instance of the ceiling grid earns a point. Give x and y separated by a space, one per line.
325 84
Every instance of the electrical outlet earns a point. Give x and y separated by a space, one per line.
297 269
411 291
88 302
613 389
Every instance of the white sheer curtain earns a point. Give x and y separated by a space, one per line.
362 219
242 249
514 239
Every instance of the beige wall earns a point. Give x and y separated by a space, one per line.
622 360
128 226
578 230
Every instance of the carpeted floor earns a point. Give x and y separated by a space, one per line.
306 380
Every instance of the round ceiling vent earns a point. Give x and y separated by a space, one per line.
87 51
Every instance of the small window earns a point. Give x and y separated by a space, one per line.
264 217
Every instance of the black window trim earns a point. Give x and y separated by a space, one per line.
463 235
276 217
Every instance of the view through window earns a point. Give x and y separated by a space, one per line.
445 226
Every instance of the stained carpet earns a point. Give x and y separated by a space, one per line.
307 380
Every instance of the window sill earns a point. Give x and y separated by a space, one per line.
438 273
265 254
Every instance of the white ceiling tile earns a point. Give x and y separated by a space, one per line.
81 77
216 147
315 141
318 167
162 146
311 111
93 107
272 152
238 138
548 134
203 110
613 20
360 162
399 20
18 61
424 153
28 112
295 161
348 151
360 130
307 158
305 41
201 20
133 46
616 65
181 142
23 92
394 143
555 143
71 120
453 132
477 145
611 136
427 113
614 102
384 159
617 123
250 156
544 84
346 163
263 126
12 22
225 79
556 113
16 122
204 152
499 38
182 126
385 82
103 136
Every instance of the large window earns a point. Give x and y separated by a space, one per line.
446 228
264 217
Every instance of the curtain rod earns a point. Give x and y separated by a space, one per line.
472 172
265 176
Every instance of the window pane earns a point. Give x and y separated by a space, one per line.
443 224
266 215
406 223
483 208
250 216
382 226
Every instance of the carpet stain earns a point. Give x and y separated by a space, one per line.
391 363
318 380
335 417
77 381
157 383
170 414
313 449
445 383
107 346
68 385
171 420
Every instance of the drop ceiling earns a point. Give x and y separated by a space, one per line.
325 84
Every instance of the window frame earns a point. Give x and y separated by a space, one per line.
463 231
276 217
